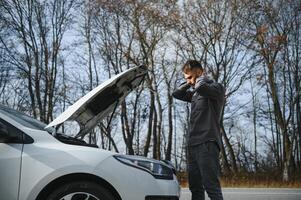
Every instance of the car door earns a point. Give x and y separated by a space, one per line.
11 146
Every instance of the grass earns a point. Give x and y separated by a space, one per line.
250 181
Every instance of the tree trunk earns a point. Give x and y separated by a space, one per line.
170 128
126 129
230 149
150 122
225 160
155 138
281 122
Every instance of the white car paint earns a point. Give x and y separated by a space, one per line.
10 155
48 159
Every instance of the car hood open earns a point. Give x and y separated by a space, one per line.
98 103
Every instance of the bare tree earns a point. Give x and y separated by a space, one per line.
272 33
142 25
37 29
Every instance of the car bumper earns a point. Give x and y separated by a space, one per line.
161 198
135 184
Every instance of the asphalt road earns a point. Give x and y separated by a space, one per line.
253 194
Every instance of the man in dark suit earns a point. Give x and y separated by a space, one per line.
204 140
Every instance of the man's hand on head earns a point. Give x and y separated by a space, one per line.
184 86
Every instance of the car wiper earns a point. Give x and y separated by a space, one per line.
73 141
51 131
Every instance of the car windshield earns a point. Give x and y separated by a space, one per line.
23 119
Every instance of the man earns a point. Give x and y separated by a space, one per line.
204 140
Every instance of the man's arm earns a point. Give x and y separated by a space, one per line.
182 93
208 88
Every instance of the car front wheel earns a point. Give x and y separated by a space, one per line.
82 190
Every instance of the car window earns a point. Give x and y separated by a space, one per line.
22 118
9 131
3 129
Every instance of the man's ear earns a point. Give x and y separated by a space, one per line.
199 72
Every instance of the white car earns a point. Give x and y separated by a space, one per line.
36 163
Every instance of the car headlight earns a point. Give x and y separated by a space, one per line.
156 168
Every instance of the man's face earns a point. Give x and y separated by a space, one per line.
192 75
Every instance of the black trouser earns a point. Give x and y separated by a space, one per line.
203 171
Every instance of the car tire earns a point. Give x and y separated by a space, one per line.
81 190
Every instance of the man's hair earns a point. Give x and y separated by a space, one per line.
191 64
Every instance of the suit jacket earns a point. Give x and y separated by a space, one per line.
207 101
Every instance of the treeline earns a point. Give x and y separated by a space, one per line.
53 52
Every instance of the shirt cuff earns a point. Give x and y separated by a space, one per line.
201 80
